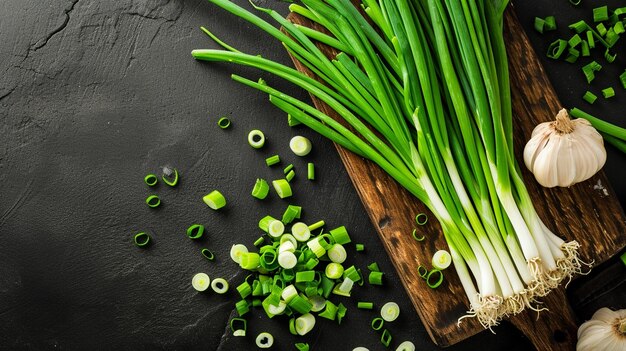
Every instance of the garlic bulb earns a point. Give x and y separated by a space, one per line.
605 331
564 152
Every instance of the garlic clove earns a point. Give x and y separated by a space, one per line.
566 162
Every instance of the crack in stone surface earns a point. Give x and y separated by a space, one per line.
56 31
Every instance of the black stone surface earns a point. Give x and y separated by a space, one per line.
96 94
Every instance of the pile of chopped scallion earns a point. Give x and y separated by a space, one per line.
424 89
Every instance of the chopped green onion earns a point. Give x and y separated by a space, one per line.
310 171
207 254
200 281
377 323
264 340
340 235
292 326
572 55
264 223
557 48
574 41
305 323
290 175
291 121
236 251
590 97
282 187
290 238
219 285
242 307
341 312
153 201
406 346
287 246
421 219
292 212
359 247
244 289
436 283
579 26
300 145
441 259
272 160
609 57
288 168
422 271
238 326
195 231
584 49
287 259
365 305
214 200
590 40
168 178
305 276
288 293
575 2
618 28
300 304
373 267
150 179
337 253
344 288
261 189
311 263
589 70
421 238
608 92
390 311
275 229
259 241
318 303
141 239
256 139
385 339
376 278
223 122
601 29
250 261
330 312
302 346
549 23
623 258
360 348
601 14
315 246
316 225
334 270
352 273
622 79
269 260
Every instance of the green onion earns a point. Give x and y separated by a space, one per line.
600 14
223 122
589 70
436 283
256 138
418 238
390 311
575 2
341 312
316 225
623 258
334 270
238 326
557 48
422 271
300 304
406 346
359 247
340 235
170 176
288 168
141 239
305 323
301 232
574 41
214 200
377 323
282 187
330 311
302 346
150 179
195 231
206 253
337 253
373 267
261 189
608 92
219 285
153 201
300 145
622 79
244 289
601 29
292 212
385 339
264 340
200 281
590 97
291 121
421 219
310 171
236 251
441 259
365 305
289 176
375 278
275 228
305 276
272 160
609 57
264 223
250 261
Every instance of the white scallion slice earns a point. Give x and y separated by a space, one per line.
236 251
201 281
289 292
239 332
275 310
318 303
219 285
287 259
390 311
300 231
346 286
300 145
442 260
290 238
337 253
287 246
264 340
360 348
305 323
406 346
276 229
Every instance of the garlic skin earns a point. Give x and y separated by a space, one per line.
564 152
606 331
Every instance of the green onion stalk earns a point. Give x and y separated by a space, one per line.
423 87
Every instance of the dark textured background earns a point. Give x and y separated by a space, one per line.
94 95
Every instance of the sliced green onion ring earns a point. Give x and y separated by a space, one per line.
275 229
300 145
300 231
223 122
151 179
264 340
305 323
153 201
441 260
291 212
385 339
302 346
214 200
341 312
421 218
310 175
200 282
436 283
377 323
195 231
406 346
421 238
219 285
282 187
238 326
272 160
208 254
337 253
256 138
334 270
360 348
261 189
142 239
390 311
170 176
376 278
236 251
318 303
287 260
422 271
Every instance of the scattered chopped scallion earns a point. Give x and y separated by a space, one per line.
441 259
302 346
214 200
359 247
223 122
373 267
288 168
282 187
275 229
385 339
256 139
153 201
365 305
337 253
438 282
390 311
305 323
376 278
151 179
420 238
195 231
242 307
422 271
310 175
141 239
421 219
272 160
287 259
264 340
600 14
334 270
289 176
300 145
200 281
608 92
170 176
238 326
590 97
292 212
219 285
406 346
377 323
208 254
236 251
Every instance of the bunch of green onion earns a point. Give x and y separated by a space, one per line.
424 88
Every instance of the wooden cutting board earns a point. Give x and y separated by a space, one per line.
588 212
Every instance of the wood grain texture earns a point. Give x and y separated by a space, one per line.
591 216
